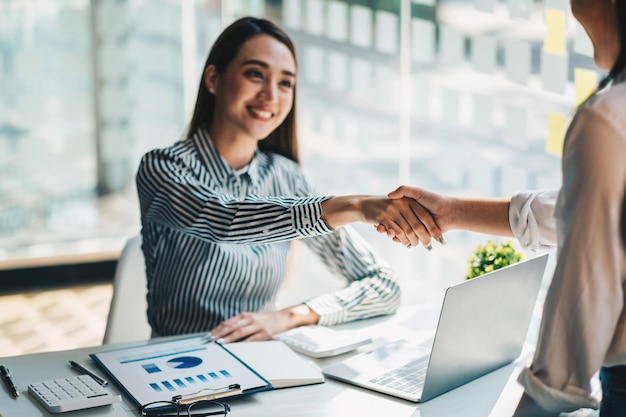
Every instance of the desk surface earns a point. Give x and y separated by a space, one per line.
495 394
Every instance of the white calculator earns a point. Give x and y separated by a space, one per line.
72 393
320 341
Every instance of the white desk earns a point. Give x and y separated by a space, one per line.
494 395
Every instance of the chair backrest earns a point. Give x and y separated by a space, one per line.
127 320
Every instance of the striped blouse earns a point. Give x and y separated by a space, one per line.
216 240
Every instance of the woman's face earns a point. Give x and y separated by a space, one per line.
598 19
254 94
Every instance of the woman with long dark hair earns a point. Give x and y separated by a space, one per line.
220 208
583 328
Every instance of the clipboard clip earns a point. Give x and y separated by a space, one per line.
217 393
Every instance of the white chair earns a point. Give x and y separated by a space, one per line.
127 320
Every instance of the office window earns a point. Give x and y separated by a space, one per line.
484 86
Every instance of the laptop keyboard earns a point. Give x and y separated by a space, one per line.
408 378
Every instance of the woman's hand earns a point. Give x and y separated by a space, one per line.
439 207
405 218
433 209
409 221
250 327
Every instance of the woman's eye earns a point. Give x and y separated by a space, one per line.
254 74
286 83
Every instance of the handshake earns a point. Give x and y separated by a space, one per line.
408 215
412 216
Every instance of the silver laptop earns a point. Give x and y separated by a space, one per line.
482 326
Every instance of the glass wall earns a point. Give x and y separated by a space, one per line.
466 97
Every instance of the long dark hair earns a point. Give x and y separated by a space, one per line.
620 63
283 139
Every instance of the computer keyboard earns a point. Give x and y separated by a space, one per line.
408 378
320 341
72 393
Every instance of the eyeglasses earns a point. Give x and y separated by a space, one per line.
202 408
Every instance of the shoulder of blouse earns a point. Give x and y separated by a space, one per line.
183 149
609 105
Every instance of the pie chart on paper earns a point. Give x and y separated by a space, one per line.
183 362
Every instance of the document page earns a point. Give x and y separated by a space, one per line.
159 371
277 363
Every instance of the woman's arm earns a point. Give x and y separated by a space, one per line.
171 195
372 288
527 216
484 215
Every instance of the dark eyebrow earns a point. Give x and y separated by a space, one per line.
265 65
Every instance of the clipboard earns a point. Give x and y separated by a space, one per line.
181 370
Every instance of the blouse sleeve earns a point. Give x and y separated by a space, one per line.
372 288
582 327
531 216
171 195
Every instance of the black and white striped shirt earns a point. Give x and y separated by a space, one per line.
216 241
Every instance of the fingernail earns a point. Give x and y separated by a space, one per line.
442 240
220 340
429 248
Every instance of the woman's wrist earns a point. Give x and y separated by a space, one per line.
301 315
452 214
342 210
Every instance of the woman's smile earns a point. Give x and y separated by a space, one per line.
259 113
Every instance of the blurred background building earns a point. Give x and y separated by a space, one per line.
464 97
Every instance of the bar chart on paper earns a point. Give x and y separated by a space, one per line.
186 362
163 370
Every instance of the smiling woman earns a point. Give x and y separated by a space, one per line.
220 208
238 76
254 95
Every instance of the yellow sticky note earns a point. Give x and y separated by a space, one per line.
586 82
555 32
557 126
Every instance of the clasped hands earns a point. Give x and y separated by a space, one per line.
411 216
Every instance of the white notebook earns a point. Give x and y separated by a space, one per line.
277 363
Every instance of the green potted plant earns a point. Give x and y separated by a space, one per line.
491 256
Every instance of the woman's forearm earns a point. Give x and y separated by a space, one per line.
342 210
490 216
484 215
